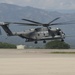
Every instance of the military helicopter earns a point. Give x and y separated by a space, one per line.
38 34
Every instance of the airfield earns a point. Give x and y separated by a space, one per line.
37 62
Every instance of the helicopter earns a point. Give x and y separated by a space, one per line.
44 33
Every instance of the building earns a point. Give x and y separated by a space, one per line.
21 46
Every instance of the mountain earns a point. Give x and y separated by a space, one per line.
11 13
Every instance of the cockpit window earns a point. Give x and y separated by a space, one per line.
58 33
38 29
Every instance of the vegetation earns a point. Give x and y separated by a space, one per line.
62 52
57 45
6 45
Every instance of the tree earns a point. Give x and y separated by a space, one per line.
6 45
57 45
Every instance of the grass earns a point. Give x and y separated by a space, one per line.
62 52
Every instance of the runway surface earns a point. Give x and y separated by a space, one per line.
36 62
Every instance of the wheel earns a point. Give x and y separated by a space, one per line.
35 42
44 41
62 40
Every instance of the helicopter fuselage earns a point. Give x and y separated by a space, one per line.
43 33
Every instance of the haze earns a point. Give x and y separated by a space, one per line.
44 4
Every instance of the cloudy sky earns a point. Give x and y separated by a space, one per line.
45 4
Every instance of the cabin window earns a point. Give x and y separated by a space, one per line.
38 34
44 34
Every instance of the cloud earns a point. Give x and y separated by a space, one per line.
17 2
45 4
54 4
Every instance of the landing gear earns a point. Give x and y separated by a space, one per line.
62 40
35 42
44 41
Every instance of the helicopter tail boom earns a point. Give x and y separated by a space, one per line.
7 30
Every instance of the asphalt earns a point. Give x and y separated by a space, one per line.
36 62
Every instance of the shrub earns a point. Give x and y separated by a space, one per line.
6 45
57 45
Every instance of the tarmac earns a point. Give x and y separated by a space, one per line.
36 62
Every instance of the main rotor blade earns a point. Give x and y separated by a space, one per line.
61 23
54 20
69 35
28 24
32 21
